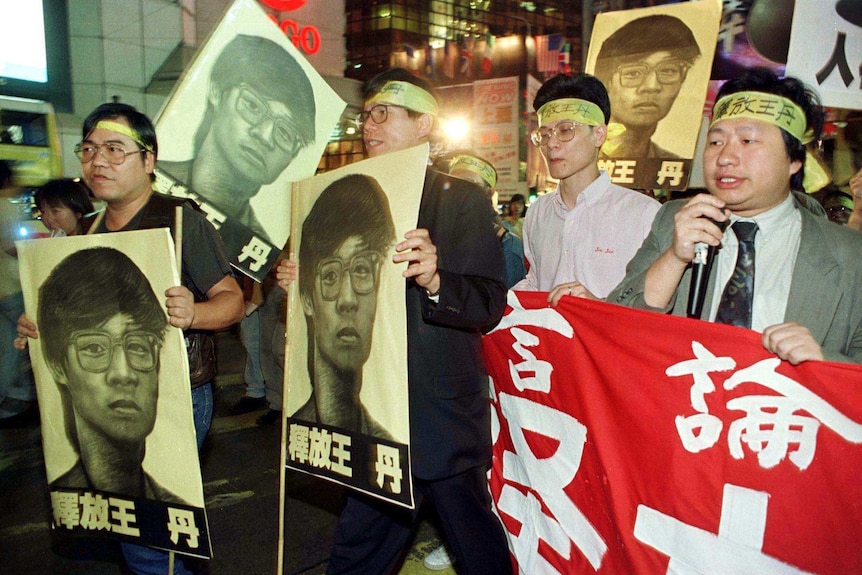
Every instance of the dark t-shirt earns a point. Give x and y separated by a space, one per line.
204 257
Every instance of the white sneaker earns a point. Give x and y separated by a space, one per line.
438 559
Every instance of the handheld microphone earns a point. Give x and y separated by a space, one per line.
701 265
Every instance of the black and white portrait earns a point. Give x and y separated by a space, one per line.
111 373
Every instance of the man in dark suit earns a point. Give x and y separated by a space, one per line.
455 287
807 274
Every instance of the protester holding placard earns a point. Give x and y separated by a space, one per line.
118 155
455 287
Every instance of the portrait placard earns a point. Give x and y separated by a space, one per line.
249 116
346 394
655 63
112 380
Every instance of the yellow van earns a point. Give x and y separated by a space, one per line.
29 140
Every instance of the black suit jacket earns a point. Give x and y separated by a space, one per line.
450 428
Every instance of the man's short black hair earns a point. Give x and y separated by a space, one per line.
354 205
375 84
583 86
270 71
64 192
88 288
644 36
139 122
765 80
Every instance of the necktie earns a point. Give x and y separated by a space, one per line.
735 305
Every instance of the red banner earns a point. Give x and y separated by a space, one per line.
632 442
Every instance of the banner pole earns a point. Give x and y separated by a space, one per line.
281 464
178 250
178 237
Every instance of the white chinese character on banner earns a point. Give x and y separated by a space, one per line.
257 251
772 424
297 445
95 512
182 522
388 467
341 454
123 514
737 548
671 172
65 508
566 525
320 448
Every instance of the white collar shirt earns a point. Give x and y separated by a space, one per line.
591 243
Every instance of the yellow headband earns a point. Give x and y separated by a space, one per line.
573 109
479 167
124 130
772 108
842 200
778 111
406 95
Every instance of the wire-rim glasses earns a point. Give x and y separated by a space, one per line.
115 153
564 132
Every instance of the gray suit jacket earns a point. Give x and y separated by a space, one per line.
825 290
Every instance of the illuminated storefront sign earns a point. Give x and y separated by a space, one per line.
306 38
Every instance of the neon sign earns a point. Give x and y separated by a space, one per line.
305 38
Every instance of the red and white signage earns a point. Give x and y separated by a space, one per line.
633 442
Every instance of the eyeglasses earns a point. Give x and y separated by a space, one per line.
362 267
378 115
114 153
669 72
564 132
95 349
255 111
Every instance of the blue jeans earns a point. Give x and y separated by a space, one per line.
146 560
16 381
249 332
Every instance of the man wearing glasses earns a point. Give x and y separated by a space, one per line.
643 65
104 357
118 155
259 114
345 239
579 238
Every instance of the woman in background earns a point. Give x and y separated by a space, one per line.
63 203
514 219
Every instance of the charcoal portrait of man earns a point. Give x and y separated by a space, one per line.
260 113
344 243
102 329
643 65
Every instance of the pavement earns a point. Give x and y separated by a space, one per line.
240 470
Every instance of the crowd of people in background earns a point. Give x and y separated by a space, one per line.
550 246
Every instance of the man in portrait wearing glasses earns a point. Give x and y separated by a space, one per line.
104 358
643 64
579 238
347 234
118 155
259 114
